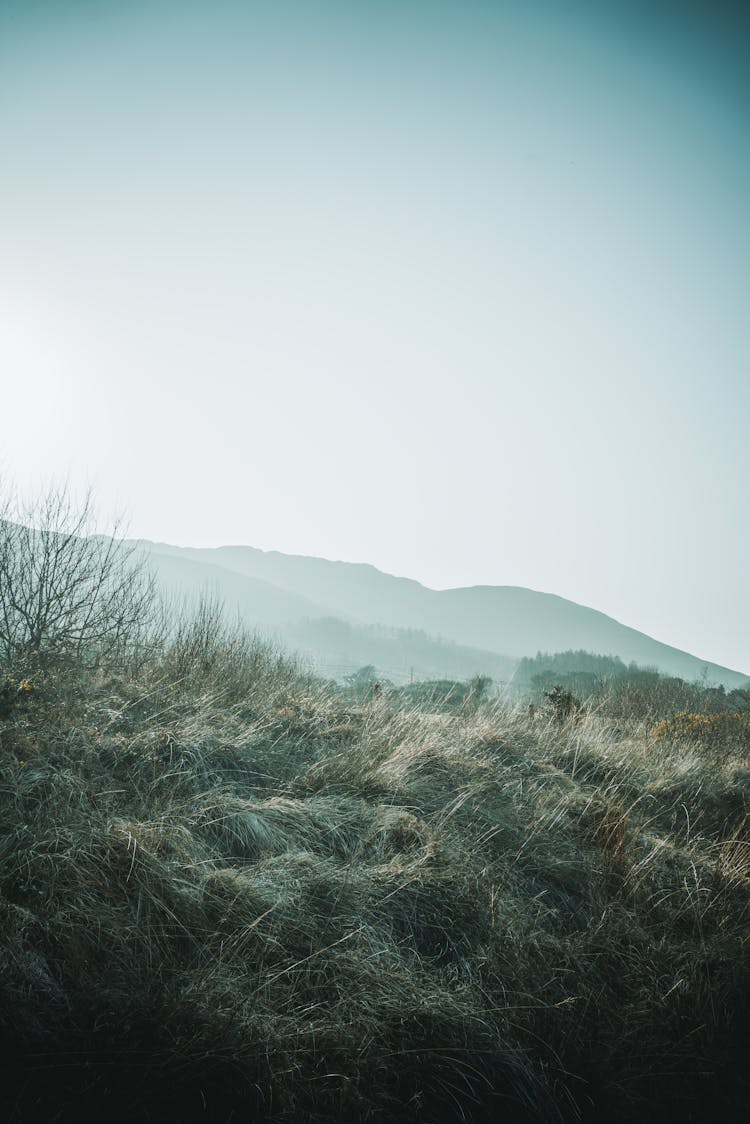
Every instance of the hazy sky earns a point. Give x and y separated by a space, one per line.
456 288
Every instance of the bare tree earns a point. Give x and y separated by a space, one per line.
66 591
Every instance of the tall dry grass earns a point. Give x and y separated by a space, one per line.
230 893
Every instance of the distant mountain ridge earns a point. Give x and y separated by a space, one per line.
291 595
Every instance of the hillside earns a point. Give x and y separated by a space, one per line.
337 648
509 621
335 645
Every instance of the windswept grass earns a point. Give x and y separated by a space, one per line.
228 893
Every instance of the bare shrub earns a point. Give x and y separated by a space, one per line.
65 591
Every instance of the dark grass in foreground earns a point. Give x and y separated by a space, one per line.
227 894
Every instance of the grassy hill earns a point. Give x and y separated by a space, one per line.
229 892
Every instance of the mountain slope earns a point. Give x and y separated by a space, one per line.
352 590
529 621
509 621
267 606
336 646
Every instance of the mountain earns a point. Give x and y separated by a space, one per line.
475 628
336 644
266 606
352 590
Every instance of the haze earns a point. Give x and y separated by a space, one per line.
457 289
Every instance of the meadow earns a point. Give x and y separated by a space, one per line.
230 891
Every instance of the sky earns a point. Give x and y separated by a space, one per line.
455 287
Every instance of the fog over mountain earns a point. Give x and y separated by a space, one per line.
342 615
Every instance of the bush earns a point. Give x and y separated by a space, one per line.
65 592
564 703
731 729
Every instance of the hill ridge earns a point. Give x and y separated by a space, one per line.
510 621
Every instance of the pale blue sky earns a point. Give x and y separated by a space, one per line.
459 289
